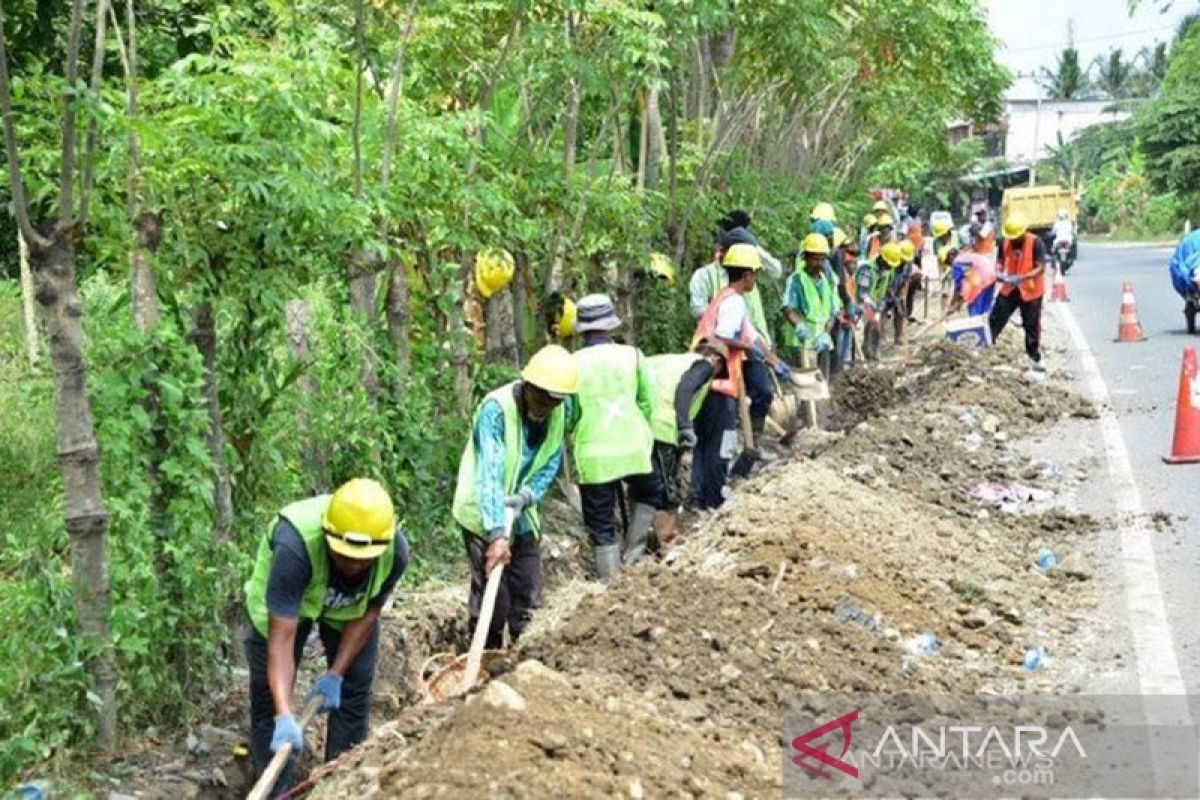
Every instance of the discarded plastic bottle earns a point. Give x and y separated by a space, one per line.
1047 560
925 644
1035 658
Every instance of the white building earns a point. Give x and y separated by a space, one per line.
1032 127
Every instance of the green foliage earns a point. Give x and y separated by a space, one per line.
1068 80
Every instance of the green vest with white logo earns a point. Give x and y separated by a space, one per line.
466 502
305 517
611 439
667 371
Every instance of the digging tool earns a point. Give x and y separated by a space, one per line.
809 406
569 487
475 654
745 460
266 781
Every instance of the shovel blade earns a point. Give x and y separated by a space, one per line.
809 385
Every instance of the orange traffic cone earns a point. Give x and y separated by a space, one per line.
1185 449
1131 329
1059 293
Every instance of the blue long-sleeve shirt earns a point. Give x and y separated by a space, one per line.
490 460
1181 277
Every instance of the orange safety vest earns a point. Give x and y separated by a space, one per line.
916 235
987 244
1022 264
731 385
874 245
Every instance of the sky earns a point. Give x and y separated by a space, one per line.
1034 31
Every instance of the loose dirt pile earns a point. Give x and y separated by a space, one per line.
819 575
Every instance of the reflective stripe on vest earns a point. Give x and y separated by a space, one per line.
668 370
707 327
612 439
1022 264
305 517
466 502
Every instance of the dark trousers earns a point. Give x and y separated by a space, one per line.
758 386
1031 320
710 463
520 586
600 504
347 726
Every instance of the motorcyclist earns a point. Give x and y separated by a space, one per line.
1064 231
1185 276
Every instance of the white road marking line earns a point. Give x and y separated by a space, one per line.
1154 646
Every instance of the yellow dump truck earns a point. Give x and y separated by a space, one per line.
1039 204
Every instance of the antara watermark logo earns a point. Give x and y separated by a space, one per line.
1022 753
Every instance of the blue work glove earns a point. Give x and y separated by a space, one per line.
687 438
802 331
783 371
824 343
287 732
854 312
329 686
520 501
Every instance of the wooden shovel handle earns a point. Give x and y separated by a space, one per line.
266 781
475 654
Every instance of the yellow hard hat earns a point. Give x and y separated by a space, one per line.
892 254
816 243
908 250
882 205
359 521
564 323
823 211
745 256
1015 226
839 237
552 368
493 270
884 220
869 220
941 227
663 267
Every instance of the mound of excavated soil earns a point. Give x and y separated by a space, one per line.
816 577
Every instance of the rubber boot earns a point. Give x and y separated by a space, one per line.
638 534
608 561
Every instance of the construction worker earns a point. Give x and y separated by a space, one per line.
986 237
876 278
681 390
707 281
945 247
974 283
883 233
611 440
851 310
510 460
811 302
728 319
823 211
1184 278
912 267
330 561
868 227
1022 282
893 256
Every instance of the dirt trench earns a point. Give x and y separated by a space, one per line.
817 576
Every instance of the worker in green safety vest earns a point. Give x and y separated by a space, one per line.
710 279
510 460
680 388
610 435
811 302
329 561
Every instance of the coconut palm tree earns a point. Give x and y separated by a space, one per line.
1069 80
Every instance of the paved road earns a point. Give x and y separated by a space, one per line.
1142 381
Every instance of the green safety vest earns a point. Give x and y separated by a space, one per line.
305 517
820 302
466 503
718 280
667 371
611 439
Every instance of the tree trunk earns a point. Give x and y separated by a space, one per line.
519 287
362 303
398 321
643 107
143 285
501 345
460 356
655 140
204 336
79 459
299 332
33 337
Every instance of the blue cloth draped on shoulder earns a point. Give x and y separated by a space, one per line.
1184 262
